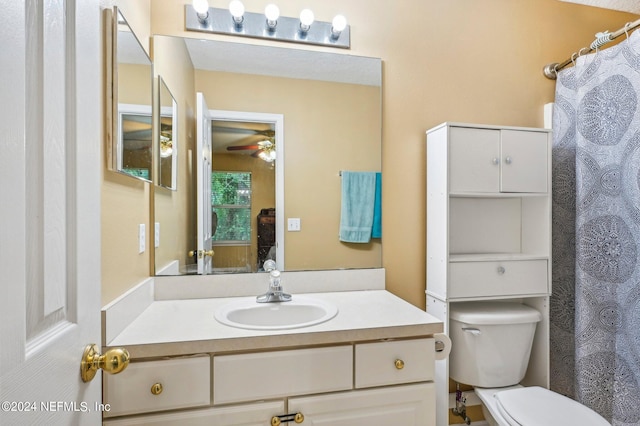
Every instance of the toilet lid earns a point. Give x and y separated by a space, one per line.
534 405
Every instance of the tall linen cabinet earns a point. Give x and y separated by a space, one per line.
489 229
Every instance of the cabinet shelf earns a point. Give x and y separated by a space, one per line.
494 257
498 194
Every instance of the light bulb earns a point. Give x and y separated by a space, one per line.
338 25
236 8
202 9
272 13
306 19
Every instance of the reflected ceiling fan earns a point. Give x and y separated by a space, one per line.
234 137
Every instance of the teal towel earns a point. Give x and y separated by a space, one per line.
376 231
356 213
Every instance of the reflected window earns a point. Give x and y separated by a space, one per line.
231 207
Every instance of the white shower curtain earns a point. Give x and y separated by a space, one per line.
595 307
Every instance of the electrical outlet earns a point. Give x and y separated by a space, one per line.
142 237
156 235
293 224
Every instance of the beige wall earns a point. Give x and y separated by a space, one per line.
444 60
317 147
124 200
175 210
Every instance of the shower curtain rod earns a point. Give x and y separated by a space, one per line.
551 70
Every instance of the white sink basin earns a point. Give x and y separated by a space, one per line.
299 312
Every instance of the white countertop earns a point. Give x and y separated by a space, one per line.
184 327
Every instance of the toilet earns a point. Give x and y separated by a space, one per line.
491 346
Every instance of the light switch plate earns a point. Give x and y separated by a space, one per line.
141 238
293 224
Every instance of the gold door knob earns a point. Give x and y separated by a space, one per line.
113 361
275 421
399 364
192 253
208 253
299 418
156 388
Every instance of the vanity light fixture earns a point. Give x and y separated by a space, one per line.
272 13
202 10
236 9
306 19
238 22
338 25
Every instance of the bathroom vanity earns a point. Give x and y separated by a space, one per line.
373 363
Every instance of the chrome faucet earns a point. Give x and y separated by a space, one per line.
274 293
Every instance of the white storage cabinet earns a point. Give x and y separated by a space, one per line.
489 228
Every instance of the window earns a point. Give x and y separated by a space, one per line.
231 207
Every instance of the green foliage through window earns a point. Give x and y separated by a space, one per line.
231 203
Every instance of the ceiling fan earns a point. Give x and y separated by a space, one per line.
235 138
264 149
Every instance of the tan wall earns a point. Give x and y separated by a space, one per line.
317 147
124 200
444 60
175 210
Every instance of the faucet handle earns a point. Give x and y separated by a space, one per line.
269 265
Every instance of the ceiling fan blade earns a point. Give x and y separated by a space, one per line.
242 147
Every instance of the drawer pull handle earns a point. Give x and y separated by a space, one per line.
399 364
277 420
156 389
501 270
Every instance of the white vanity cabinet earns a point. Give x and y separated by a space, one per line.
362 383
489 227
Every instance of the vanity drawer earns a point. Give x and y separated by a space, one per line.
185 383
394 362
508 278
252 377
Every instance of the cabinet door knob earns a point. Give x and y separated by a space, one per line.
495 161
399 364
508 160
501 270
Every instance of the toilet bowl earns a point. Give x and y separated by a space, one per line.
491 346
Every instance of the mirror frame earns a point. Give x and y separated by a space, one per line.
114 154
164 112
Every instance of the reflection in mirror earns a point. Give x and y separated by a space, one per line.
244 190
168 135
133 77
331 104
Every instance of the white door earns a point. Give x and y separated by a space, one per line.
204 159
50 118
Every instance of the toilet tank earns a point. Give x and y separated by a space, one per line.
490 342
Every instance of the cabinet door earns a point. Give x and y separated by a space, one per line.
524 161
474 163
409 405
258 414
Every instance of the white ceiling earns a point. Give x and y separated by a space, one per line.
632 6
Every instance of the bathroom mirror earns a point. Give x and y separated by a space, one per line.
331 104
167 137
132 150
